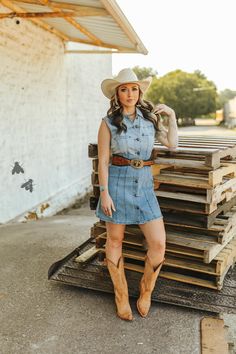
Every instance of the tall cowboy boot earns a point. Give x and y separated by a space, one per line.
117 274
147 285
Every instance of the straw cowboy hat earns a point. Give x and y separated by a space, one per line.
125 76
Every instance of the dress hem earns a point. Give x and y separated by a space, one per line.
132 223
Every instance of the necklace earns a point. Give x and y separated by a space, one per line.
131 116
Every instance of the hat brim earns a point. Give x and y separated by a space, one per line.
109 86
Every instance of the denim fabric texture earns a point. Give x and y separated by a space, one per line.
131 189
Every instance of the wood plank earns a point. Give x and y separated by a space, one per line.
180 243
213 336
88 255
193 219
30 15
95 276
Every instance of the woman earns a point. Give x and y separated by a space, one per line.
126 185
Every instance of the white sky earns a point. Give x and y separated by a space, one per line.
186 35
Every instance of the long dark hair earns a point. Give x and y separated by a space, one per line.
115 112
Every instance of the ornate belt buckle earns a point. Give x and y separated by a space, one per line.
136 163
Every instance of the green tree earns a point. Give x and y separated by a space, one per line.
225 96
189 94
143 73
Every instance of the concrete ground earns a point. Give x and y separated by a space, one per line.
38 316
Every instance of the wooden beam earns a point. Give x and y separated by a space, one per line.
74 23
96 52
36 14
81 10
38 22
102 45
91 51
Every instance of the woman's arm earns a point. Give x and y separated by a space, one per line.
104 139
168 138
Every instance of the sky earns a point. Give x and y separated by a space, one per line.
184 34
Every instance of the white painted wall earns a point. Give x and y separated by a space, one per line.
50 110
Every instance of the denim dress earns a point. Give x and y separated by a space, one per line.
131 189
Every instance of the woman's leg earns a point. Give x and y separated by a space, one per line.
154 232
115 235
115 265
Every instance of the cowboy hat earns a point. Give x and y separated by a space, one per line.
125 76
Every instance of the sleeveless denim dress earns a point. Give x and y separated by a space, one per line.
131 189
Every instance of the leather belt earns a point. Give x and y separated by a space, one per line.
136 163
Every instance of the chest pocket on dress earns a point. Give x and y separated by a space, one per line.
148 130
147 135
121 142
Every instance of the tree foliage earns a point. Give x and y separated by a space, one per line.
225 96
143 73
189 94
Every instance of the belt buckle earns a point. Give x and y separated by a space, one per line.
136 163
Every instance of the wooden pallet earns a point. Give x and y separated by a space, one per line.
196 156
193 203
185 269
225 191
177 243
193 156
218 232
190 218
197 178
216 268
93 275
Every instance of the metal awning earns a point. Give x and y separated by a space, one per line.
98 23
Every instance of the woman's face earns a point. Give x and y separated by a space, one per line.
128 95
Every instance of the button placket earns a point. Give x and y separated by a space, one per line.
136 187
137 139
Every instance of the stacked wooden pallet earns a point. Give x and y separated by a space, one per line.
196 189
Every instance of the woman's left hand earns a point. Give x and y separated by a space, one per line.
164 109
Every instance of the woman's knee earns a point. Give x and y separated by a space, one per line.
158 244
115 235
114 240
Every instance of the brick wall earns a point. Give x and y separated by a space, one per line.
51 107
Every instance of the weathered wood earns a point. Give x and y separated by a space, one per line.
218 232
217 267
208 158
213 336
197 179
37 14
195 219
95 276
176 242
87 255
207 179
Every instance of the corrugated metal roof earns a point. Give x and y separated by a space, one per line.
99 23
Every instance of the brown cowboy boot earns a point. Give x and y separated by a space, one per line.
147 285
120 288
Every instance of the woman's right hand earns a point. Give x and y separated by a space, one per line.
107 204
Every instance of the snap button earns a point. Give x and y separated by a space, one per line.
138 153
137 139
